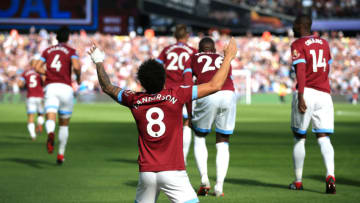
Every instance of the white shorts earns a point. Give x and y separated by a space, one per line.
320 111
34 105
59 98
185 112
219 107
175 184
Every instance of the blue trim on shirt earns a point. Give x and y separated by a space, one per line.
42 59
323 130
202 130
225 132
196 200
75 57
65 112
330 61
51 107
194 92
159 61
22 79
299 61
119 97
299 131
187 70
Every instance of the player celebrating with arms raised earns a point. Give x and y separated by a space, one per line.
219 108
34 102
157 112
59 95
174 58
312 101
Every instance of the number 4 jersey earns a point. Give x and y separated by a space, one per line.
315 53
159 123
58 63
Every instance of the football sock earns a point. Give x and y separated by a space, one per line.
40 120
327 152
222 163
299 157
186 141
63 137
31 128
201 156
50 126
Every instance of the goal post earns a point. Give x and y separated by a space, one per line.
242 83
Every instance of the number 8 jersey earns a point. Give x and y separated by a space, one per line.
58 63
315 53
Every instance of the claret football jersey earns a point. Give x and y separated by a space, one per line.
33 84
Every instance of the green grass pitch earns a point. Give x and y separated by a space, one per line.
102 151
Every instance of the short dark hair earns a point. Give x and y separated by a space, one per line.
180 31
206 44
62 34
151 75
304 20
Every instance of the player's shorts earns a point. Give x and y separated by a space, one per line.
175 184
219 107
320 111
59 98
185 112
34 105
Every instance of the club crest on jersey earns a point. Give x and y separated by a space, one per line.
295 54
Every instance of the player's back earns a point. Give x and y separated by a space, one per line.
33 83
159 122
58 63
315 53
175 57
204 66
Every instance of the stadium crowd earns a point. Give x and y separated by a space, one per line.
268 59
320 8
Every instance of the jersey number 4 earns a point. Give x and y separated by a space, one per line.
56 63
177 59
320 62
157 121
208 61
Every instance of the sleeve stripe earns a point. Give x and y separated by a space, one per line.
22 79
194 92
330 61
187 70
75 57
120 95
42 59
159 61
299 61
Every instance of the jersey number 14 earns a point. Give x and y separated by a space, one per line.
320 62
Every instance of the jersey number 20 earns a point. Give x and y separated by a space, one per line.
177 59
157 121
320 62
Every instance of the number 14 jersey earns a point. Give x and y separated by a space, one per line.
315 53
159 123
58 63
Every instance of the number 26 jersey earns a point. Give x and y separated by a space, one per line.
58 63
159 122
315 53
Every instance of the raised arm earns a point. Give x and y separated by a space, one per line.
216 83
98 58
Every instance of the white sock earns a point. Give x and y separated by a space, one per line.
50 126
63 137
201 156
40 120
298 158
31 129
186 141
222 163
327 152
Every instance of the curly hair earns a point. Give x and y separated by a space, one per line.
151 75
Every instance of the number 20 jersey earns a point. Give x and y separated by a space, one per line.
58 63
175 58
204 66
315 53
159 123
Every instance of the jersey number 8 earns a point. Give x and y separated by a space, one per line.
157 121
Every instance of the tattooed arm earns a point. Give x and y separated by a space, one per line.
98 57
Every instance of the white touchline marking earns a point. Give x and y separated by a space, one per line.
347 113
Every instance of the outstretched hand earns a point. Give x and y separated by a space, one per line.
97 56
231 49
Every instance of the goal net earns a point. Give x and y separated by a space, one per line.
242 83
